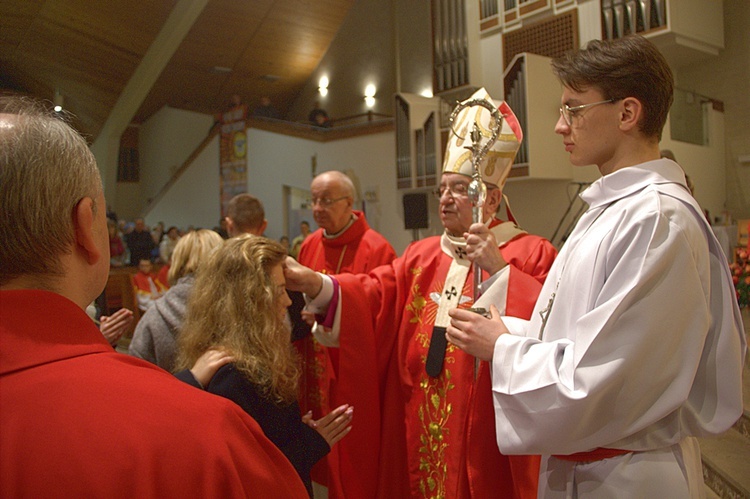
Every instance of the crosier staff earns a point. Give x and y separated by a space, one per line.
477 188
481 147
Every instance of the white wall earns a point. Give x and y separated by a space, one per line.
491 48
726 78
706 166
194 199
276 160
166 140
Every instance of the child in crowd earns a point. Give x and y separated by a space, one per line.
146 285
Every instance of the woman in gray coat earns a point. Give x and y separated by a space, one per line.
156 333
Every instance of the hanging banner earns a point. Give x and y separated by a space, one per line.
232 155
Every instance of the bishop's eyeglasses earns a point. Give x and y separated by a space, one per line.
568 113
456 189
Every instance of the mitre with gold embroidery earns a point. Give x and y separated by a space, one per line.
495 166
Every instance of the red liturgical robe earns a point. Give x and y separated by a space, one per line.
358 250
78 419
436 436
147 289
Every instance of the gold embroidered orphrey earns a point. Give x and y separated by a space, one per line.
435 411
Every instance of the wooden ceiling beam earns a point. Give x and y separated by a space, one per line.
105 148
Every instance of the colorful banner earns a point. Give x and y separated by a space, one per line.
232 155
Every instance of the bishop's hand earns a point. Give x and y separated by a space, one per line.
300 278
481 248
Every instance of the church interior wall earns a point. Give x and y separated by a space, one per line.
194 198
724 78
276 161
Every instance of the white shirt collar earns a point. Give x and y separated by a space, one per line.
631 179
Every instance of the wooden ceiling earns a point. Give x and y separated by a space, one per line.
88 51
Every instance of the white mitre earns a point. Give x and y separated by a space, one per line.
496 165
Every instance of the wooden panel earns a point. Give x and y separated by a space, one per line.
533 7
89 50
119 294
490 23
742 232
551 37
15 21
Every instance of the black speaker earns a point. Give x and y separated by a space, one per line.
415 211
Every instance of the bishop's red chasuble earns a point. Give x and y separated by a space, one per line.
358 250
426 436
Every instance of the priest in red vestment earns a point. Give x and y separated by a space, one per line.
427 405
343 243
78 419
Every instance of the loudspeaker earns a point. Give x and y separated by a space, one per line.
415 211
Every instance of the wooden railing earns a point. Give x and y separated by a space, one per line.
341 128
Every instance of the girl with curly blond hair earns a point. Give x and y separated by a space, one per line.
237 308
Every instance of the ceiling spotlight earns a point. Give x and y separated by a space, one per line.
323 86
59 101
370 95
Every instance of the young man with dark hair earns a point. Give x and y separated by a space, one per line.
636 344
245 215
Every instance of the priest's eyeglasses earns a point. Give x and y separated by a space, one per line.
568 113
456 190
324 202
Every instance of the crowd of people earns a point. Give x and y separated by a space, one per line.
481 362
317 117
129 244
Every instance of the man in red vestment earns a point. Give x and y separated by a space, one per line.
78 419
427 405
343 243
